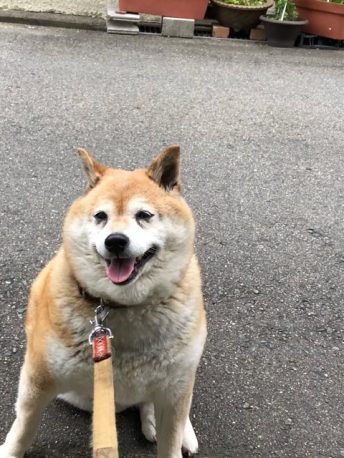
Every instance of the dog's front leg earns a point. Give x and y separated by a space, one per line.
34 393
171 418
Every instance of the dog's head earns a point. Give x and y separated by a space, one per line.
131 234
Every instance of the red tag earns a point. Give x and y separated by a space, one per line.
101 348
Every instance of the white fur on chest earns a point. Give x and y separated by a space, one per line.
151 352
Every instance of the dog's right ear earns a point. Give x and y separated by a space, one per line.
93 170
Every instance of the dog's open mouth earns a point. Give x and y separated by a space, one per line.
122 271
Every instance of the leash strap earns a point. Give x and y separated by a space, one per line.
104 432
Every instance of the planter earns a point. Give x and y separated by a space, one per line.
188 9
239 17
282 34
324 19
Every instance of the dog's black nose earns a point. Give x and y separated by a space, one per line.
116 243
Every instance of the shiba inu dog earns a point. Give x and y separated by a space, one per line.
129 242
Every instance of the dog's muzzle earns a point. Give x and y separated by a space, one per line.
123 270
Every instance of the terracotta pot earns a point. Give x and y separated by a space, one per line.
239 17
324 18
188 9
282 34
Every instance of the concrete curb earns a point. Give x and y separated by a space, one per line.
53 20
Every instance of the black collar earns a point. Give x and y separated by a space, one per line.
95 301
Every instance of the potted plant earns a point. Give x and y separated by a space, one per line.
240 15
325 18
284 26
188 9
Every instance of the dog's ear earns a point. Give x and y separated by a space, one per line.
93 170
164 170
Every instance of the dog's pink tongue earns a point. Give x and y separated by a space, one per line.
120 269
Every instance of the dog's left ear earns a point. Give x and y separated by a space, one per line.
164 170
93 170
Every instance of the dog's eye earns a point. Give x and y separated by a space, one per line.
143 215
100 217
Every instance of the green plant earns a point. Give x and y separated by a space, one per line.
244 2
341 2
285 10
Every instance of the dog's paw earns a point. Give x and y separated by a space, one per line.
190 442
149 431
2 452
5 453
148 425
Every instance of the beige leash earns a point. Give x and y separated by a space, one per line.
104 433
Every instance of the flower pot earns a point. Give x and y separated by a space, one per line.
282 34
188 9
324 18
239 17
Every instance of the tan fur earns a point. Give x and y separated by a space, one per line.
159 335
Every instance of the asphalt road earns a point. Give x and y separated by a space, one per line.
261 133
